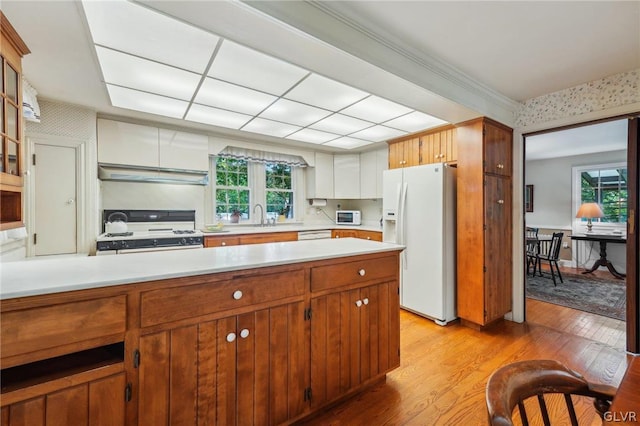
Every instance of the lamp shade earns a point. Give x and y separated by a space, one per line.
590 210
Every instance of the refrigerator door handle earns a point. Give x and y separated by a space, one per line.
398 213
401 221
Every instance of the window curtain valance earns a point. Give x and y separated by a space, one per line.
262 156
31 109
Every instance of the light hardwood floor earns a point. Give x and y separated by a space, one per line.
443 372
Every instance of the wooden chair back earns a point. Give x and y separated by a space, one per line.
553 248
509 386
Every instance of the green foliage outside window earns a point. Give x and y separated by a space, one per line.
232 188
279 190
607 187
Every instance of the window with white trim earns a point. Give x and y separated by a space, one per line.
241 184
605 184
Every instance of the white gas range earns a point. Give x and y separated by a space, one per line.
151 230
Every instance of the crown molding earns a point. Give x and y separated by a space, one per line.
320 20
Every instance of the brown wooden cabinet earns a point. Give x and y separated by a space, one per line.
258 238
354 328
439 146
12 49
404 152
484 221
233 347
241 369
356 233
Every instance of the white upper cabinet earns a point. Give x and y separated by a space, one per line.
180 150
136 145
372 164
128 144
320 178
346 175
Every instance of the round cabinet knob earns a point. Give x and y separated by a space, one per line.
231 337
358 303
362 272
223 244
244 333
337 236
500 201
237 294
501 166
436 156
71 201
365 300
368 238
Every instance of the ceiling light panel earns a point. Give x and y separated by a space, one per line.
217 117
219 94
146 102
325 93
270 127
376 109
347 143
341 124
294 113
378 133
414 121
246 67
140 74
312 136
132 28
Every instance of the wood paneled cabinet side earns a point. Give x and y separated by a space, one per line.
484 258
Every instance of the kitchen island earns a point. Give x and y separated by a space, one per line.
258 334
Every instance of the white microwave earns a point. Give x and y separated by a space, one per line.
348 217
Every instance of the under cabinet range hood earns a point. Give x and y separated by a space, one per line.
151 174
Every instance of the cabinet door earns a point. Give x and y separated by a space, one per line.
355 336
246 369
346 176
412 152
129 144
370 235
344 233
217 241
497 149
319 179
180 150
396 157
430 148
497 278
369 174
448 145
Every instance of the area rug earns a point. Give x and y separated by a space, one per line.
600 296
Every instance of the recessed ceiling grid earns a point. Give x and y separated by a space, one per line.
155 64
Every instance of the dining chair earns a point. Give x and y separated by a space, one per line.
552 255
532 248
513 384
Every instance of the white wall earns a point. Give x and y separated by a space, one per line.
552 187
371 211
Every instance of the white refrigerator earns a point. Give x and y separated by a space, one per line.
419 212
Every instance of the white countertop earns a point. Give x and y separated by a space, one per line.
56 275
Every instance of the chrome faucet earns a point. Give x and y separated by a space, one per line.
261 213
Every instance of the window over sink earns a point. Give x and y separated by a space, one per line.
240 184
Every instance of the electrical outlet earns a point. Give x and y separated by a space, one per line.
565 245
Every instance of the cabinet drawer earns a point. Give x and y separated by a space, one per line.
221 241
46 327
202 298
370 235
332 276
271 237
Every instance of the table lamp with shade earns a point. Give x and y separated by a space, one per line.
589 210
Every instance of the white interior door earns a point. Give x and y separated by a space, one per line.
55 200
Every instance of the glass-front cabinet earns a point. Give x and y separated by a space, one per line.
12 49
